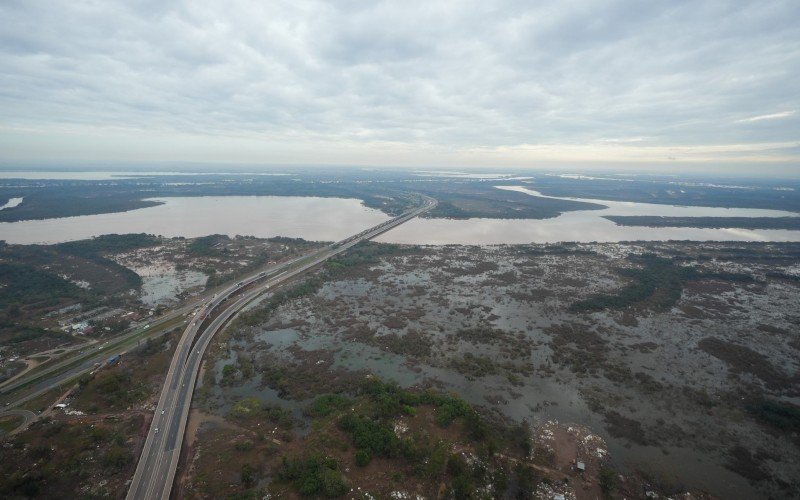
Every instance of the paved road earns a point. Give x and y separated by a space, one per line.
158 462
27 418
40 380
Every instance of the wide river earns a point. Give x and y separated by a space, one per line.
325 219
585 226
336 218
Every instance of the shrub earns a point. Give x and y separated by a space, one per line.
248 475
376 437
327 404
784 416
363 458
316 475
243 445
117 457
607 481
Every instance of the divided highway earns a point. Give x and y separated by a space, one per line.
155 471
43 379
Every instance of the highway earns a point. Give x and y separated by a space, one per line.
155 471
43 379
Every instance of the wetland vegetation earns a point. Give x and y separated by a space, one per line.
609 346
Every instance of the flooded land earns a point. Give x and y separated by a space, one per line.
654 354
681 357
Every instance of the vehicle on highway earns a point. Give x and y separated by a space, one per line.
151 472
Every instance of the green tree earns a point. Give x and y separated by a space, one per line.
248 475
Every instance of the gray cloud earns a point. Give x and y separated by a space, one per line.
432 76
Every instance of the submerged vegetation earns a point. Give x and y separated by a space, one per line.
659 282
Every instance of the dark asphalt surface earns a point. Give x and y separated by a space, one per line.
158 462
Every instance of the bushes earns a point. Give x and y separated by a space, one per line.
365 253
39 451
607 481
243 445
26 284
389 400
433 460
204 245
451 409
228 373
783 416
377 438
316 475
473 366
660 281
110 389
248 475
246 407
109 243
253 408
371 431
262 313
363 458
117 457
327 404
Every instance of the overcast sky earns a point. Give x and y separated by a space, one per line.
428 83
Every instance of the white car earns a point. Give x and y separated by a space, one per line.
162 412
156 432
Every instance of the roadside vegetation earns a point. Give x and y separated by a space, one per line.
381 439
56 459
36 280
363 254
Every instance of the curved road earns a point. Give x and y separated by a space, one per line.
158 462
27 417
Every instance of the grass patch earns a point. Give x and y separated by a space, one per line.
8 424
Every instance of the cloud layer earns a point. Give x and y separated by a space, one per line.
416 81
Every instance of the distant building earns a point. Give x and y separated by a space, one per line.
133 316
79 327
580 466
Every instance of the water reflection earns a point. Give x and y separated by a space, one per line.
324 219
585 226
335 218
